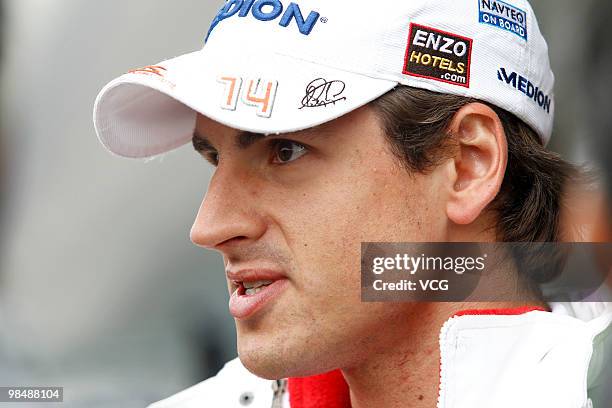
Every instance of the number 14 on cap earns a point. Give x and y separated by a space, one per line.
259 93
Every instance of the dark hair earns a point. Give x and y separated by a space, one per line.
528 205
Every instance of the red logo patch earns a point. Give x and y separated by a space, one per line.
438 55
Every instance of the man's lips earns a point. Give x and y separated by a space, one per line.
252 275
246 300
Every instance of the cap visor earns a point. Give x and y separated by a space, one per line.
153 110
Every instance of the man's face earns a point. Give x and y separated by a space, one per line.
293 209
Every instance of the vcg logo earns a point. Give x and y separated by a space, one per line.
267 10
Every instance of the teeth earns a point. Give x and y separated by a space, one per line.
256 284
250 292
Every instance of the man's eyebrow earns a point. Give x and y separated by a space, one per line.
201 143
245 139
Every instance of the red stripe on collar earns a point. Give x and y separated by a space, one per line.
504 312
319 391
331 391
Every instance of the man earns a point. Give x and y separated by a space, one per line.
332 124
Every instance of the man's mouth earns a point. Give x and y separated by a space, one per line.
252 290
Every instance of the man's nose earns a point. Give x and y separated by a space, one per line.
228 214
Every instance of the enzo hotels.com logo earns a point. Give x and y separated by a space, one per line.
438 55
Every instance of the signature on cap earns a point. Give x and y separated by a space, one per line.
321 92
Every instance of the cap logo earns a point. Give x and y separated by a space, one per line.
525 86
258 93
267 10
438 55
155 71
503 15
151 69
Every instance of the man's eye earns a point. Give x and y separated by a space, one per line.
286 151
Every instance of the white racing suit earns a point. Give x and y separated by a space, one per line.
489 359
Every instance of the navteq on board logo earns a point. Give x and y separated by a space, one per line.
267 10
504 15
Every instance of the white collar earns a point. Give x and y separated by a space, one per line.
537 359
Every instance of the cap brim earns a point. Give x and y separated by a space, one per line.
153 110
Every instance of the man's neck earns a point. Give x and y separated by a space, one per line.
407 373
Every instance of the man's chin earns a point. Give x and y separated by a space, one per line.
272 362
262 351
264 364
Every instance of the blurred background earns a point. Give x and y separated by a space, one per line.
100 289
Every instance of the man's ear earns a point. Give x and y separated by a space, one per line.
479 162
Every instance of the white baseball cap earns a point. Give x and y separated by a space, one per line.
279 66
